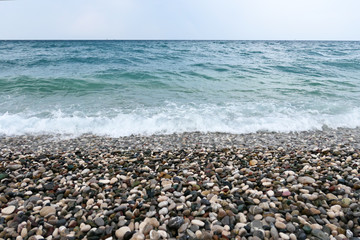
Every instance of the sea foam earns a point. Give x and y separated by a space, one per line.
176 120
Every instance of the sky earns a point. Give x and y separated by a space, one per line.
181 19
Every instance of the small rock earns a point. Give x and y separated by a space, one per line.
306 180
198 223
47 211
320 234
154 235
280 225
8 210
99 221
121 232
85 227
175 222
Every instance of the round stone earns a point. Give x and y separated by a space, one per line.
253 162
120 233
154 235
113 180
163 211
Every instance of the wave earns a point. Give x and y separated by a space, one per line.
175 120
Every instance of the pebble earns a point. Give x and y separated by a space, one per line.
99 221
8 210
198 223
273 186
47 210
121 232
85 227
176 222
280 225
306 180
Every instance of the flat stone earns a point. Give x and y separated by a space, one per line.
290 178
198 222
8 210
47 210
306 180
163 204
99 221
104 181
14 167
85 171
257 224
85 228
286 193
274 233
284 236
255 210
331 196
290 227
320 234
280 225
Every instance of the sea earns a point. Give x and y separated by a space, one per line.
121 88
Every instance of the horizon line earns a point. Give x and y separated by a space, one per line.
141 39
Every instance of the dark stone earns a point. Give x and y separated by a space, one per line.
241 208
3 175
49 186
99 221
128 235
342 181
226 220
320 234
204 201
259 234
301 236
256 224
108 230
207 225
99 231
307 229
266 227
175 222
194 228
61 222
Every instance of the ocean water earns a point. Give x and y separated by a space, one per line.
119 88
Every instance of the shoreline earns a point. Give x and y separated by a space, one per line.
328 137
195 185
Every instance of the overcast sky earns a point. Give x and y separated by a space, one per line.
181 19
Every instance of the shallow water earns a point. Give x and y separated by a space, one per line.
119 88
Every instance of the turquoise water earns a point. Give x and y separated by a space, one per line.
119 88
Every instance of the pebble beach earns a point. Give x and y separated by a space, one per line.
264 185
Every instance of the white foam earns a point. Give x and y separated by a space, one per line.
170 119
